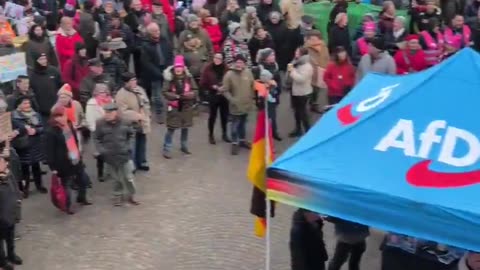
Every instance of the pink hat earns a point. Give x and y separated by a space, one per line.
179 61
369 26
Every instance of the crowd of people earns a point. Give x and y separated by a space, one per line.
80 88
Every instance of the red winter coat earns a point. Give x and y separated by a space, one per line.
408 63
339 78
167 9
65 46
73 73
214 32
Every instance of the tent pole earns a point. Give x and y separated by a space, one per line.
267 201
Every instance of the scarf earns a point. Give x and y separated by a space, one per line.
31 116
103 100
72 147
398 33
70 112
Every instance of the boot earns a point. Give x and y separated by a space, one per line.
211 139
235 149
42 189
15 259
83 202
225 138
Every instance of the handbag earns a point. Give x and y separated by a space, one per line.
58 194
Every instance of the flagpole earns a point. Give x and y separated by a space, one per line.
267 201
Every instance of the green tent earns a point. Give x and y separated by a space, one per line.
321 11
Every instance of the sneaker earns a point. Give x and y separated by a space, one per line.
235 149
245 144
167 155
132 201
144 167
185 151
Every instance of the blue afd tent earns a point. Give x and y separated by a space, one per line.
399 153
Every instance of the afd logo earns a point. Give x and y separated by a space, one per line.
402 136
349 114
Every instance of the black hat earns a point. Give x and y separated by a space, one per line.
240 57
39 19
20 99
378 42
127 76
95 62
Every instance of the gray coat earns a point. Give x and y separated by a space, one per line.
384 64
113 141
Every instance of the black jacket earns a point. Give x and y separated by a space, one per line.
113 141
255 44
152 69
307 248
114 67
45 84
9 201
57 152
339 36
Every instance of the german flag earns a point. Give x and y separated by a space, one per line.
256 172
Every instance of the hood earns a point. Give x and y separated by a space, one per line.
168 75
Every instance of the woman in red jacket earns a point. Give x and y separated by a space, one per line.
412 58
339 76
76 69
65 42
210 24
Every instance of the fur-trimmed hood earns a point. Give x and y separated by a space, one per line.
168 73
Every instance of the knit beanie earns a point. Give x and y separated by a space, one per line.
20 99
127 76
265 76
192 18
233 27
263 54
250 10
66 89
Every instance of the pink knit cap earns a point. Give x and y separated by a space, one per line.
179 61
369 26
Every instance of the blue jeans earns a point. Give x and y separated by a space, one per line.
139 150
157 100
238 126
167 146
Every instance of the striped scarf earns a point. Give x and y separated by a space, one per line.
72 147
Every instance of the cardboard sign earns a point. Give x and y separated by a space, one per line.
5 125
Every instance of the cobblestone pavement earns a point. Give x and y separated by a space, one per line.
194 216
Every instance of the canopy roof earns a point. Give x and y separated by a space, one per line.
399 153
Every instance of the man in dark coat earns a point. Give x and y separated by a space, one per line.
87 27
156 55
97 75
45 80
265 8
113 141
339 35
307 248
9 211
260 40
113 66
22 88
